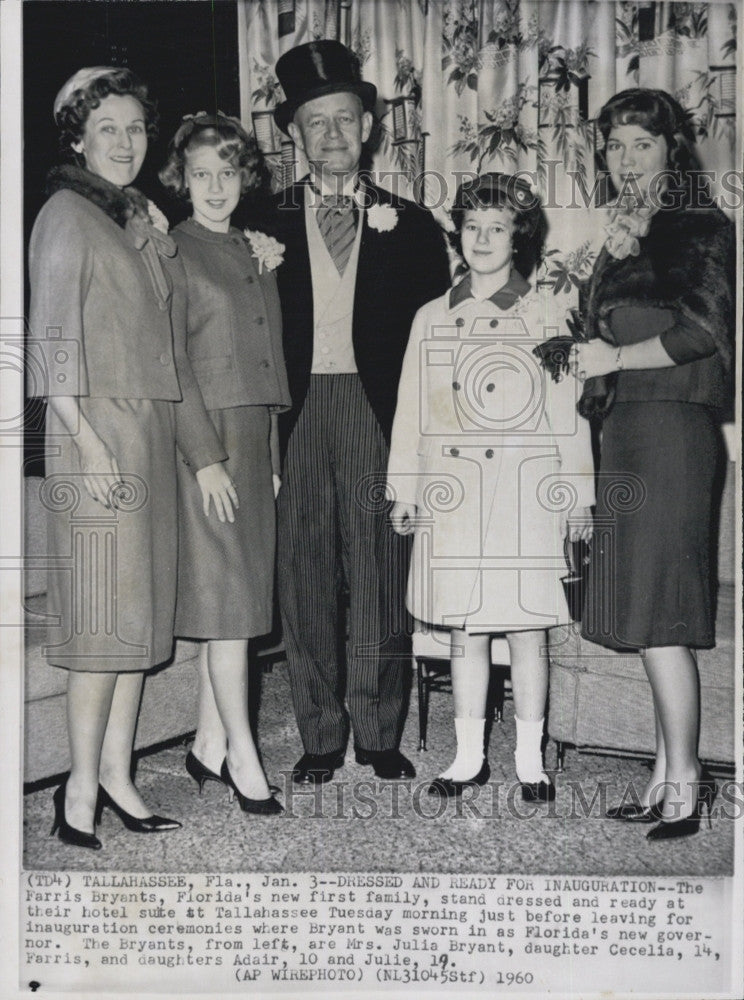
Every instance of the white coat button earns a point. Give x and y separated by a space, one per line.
164 358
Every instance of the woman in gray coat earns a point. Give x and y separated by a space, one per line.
108 337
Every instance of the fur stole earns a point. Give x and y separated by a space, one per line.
686 263
129 209
120 204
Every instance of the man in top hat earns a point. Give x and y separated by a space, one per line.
358 263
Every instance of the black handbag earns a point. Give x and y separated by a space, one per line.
574 583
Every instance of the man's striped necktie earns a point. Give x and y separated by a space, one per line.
337 224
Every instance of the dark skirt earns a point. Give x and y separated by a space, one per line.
226 571
650 577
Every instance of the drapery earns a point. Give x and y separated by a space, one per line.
511 85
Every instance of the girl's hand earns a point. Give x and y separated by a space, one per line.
593 358
277 481
402 516
100 469
578 525
216 485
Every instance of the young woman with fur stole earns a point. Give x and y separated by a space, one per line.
660 318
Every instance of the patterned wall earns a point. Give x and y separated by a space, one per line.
510 85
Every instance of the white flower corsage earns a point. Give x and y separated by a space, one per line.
157 218
625 228
383 218
268 252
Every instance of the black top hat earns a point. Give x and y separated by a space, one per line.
315 69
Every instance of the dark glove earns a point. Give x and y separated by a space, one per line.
553 355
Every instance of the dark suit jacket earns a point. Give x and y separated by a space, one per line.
398 271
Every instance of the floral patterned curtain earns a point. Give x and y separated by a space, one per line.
509 85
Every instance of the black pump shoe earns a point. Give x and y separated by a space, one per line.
260 807
448 788
634 812
200 772
672 829
150 824
66 833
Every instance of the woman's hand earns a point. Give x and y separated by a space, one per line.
101 474
216 485
577 525
593 358
402 516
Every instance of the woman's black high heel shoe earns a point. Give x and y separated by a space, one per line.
150 824
200 772
66 833
672 829
261 807
634 812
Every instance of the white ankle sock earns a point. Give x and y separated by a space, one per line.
469 758
528 755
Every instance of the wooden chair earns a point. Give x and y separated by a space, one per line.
431 654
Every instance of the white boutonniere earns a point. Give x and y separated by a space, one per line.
157 218
383 218
268 252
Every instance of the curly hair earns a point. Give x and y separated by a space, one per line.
228 137
73 115
515 196
659 114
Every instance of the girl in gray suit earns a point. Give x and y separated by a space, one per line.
226 558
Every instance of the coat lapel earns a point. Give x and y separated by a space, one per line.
371 252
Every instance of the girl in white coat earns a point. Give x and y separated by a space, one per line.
490 466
